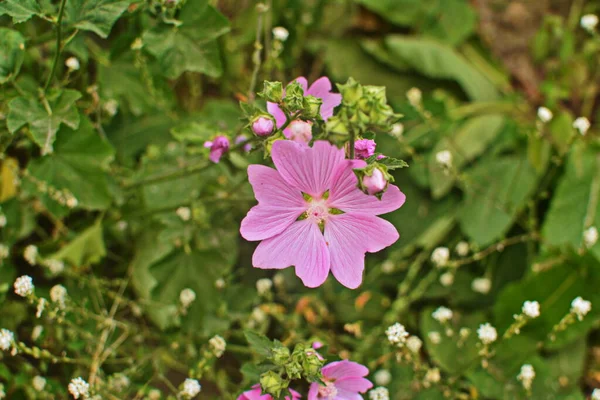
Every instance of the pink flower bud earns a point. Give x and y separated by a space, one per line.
242 139
263 126
300 131
375 183
364 148
217 147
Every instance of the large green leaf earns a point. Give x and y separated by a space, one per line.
79 164
12 51
496 190
471 140
575 205
437 60
97 16
190 46
87 248
21 10
44 117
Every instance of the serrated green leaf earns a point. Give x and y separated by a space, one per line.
97 16
12 51
20 10
261 344
190 46
44 119
86 249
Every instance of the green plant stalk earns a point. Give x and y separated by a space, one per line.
61 13
256 56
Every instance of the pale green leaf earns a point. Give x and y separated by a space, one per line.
97 16
12 51
86 249
20 10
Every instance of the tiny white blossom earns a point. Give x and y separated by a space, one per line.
414 344
442 314
582 124
154 394
72 201
589 22
414 96
191 388
440 256
4 251
38 383
544 114
379 393
119 382
187 297
37 332
526 376
220 283
279 280
596 394
72 63
111 107
397 130
397 334
462 248
481 285
263 286
258 315
444 158
79 388
531 309
383 377
30 254
184 213
7 338
433 375
40 307
280 33
387 267
435 337
55 266
580 307
590 236
3 220
447 279
487 333
58 294
218 345
24 286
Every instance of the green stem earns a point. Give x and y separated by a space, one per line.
61 12
256 56
352 139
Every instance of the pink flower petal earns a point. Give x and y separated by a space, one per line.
344 369
345 395
349 237
309 169
301 245
303 82
353 384
345 195
321 88
277 113
263 222
313 392
270 188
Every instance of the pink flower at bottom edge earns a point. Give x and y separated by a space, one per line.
344 380
329 230
256 394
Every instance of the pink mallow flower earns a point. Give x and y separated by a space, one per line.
330 227
344 380
375 183
321 88
256 394
364 148
218 147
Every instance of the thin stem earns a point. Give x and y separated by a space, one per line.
256 56
61 12
352 138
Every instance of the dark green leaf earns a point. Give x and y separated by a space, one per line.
20 10
12 51
259 343
97 16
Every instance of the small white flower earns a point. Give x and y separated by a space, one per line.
184 213
38 383
447 279
55 266
40 307
72 63
444 158
464 333
414 96
3 220
582 124
433 375
435 337
191 388
383 377
440 256
414 344
531 309
580 307
119 382
397 334
111 107
387 267
280 33
279 280
462 248
481 285
442 314
72 202
263 286
187 297
379 393
596 394
218 345
30 254
24 286
2 393
544 114
220 283
397 130
37 332
590 236
7 338
258 315
487 333
58 295
154 394
79 388
589 22
526 376
4 251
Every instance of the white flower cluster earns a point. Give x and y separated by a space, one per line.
58 295
79 388
414 96
280 33
526 376
184 213
582 124
435 337
55 266
589 22
442 314
383 377
580 307
38 383
187 297
544 114
72 63
481 285
462 248
590 236
440 256
31 254
263 286
24 286
444 158
191 388
487 333
7 338
379 393
414 344
397 334
218 345
596 394
531 309
4 252
447 279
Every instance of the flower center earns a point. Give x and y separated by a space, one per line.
329 391
317 210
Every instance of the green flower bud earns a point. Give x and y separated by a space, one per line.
281 355
272 91
293 370
294 97
312 107
272 383
312 365
351 92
